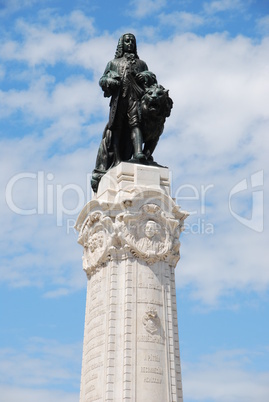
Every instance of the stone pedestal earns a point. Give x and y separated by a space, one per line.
130 235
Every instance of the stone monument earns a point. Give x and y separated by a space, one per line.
130 234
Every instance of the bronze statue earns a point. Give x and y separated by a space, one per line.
138 109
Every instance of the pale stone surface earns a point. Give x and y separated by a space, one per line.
130 234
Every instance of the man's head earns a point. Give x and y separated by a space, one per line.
151 229
129 43
126 44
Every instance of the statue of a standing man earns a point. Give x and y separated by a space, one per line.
125 79
138 109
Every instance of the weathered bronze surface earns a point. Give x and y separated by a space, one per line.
138 109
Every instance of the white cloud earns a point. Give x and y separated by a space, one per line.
263 25
13 394
40 257
40 45
41 362
50 40
218 6
219 121
11 6
26 371
227 261
182 20
225 376
72 101
2 73
143 8
218 85
76 23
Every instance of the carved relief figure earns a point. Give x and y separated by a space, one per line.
97 236
151 241
148 234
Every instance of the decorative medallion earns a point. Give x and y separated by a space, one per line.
149 234
97 236
151 321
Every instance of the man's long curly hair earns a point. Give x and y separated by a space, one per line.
119 50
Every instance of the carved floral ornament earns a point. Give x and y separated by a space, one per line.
148 234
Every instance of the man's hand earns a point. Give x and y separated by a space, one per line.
140 78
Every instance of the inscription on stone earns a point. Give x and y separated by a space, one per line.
152 358
153 380
98 304
96 281
91 377
93 335
150 286
152 370
95 291
94 314
150 301
150 339
93 356
93 398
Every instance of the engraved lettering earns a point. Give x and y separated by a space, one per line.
153 358
94 314
94 334
97 344
95 325
90 388
96 290
153 380
92 377
154 286
96 365
150 338
146 301
152 370
96 282
93 398
98 304
92 356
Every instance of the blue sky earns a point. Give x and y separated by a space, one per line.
213 56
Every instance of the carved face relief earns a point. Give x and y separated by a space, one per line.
151 229
146 233
152 238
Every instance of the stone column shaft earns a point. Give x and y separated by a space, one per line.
130 237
